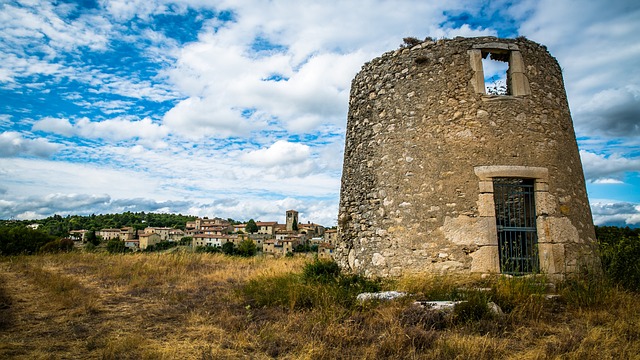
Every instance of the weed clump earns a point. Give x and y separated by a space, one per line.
321 284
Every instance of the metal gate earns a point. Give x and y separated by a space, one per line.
516 222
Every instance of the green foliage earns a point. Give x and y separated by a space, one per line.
251 227
186 240
18 239
228 248
115 246
294 226
162 245
208 249
620 254
586 291
246 248
473 308
59 226
91 238
56 246
319 285
89 247
322 271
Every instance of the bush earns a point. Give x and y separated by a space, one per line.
321 271
22 240
473 308
228 248
115 246
59 245
320 285
247 248
620 261
208 249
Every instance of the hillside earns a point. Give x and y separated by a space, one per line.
208 306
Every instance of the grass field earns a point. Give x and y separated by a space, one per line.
208 306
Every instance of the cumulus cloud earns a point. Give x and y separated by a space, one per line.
607 168
595 45
617 213
614 112
279 154
312 62
116 129
36 207
14 144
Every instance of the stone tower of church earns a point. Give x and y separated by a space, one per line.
440 176
292 220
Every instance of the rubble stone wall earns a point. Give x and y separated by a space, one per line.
423 143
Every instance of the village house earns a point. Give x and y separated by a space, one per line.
78 235
267 227
211 240
311 229
175 235
125 233
215 226
162 231
133 244
331 236
279 247
147 239
325 251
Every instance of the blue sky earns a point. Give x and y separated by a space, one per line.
238 108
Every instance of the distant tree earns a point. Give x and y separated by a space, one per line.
115 246
59 245
246 248
92 238
251 227
294 226
16 240
228 248
186 240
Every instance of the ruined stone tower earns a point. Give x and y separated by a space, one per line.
441 177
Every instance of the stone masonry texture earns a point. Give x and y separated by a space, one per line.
422 144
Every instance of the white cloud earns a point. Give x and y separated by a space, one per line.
197 117
119 128
614 212
596 45
608 181
321 47
14 144
607 167
281 153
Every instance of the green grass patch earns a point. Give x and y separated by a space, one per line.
320 285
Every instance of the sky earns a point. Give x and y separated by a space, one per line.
238 109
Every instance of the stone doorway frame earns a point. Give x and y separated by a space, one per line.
487 211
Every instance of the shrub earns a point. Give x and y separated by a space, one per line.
321 271
228 248
115 246
59 245
474 308
247 248
320 285
620 261
208 249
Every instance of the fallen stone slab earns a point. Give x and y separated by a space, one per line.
382 295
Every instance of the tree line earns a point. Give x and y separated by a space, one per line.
60 226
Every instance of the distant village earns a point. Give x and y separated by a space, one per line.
270 237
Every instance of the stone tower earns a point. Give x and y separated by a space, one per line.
292 220
441 177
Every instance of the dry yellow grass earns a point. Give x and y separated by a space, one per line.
190 306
